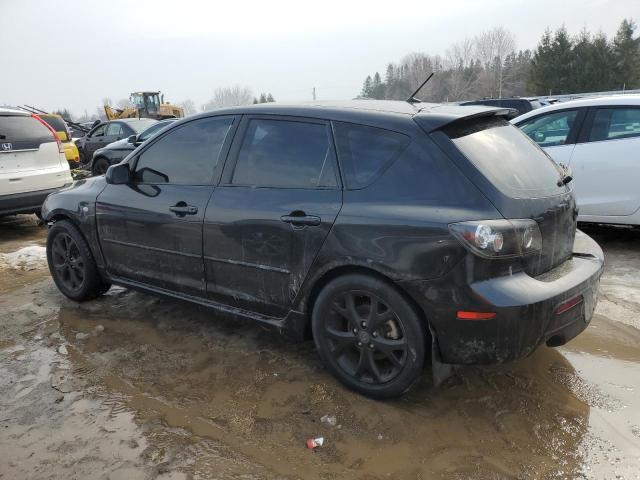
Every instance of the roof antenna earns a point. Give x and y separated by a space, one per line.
412 98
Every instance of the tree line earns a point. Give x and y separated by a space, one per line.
488 65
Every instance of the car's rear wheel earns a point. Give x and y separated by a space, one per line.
100 166
71 263
369 335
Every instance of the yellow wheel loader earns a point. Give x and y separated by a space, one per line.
145 105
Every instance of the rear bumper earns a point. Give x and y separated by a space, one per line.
27 202
525 307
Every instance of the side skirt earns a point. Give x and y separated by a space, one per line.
292 325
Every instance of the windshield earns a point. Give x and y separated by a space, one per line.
507 157
152 130
142 124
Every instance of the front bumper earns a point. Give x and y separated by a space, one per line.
27 202
526 309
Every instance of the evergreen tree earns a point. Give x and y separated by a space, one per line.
626 57
366 87
552 63
263 98
377 87
270 98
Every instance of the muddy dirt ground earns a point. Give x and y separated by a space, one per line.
134 387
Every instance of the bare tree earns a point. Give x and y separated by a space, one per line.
492 47
462 74
188 106
107 101
229 97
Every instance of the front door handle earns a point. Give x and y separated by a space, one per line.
182 209
299 219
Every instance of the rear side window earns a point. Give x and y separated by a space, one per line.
18 132
366 152
550 130
187 155
613 123
280 153
57 123
504 154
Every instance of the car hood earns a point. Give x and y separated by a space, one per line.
122 144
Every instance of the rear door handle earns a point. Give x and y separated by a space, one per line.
310 220
182 209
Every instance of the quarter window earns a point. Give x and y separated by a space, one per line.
550 130
612 123
365 152
280 153
187 155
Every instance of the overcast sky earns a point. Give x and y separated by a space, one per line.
76 52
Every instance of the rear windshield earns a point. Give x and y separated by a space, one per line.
141 125
507 157
19 132
57 123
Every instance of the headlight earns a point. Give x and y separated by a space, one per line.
499 238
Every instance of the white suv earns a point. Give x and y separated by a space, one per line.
599 138
32 162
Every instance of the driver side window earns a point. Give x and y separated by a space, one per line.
550 130
99 131
187 155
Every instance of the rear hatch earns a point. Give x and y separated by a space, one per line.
30 159
519 178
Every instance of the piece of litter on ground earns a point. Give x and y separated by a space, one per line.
315 442
82 336
330 419
62 350
99 328
380 436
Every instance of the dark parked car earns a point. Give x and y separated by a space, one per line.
108 132
115 152
519 105
391 233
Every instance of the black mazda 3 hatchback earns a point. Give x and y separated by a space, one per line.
394 234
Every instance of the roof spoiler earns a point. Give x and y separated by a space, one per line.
431 119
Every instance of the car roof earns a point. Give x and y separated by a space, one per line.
130 120
432 115
613 100
12 111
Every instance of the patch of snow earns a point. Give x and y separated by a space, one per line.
27 258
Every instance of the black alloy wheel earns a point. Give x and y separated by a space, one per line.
67 262
71 263
369 336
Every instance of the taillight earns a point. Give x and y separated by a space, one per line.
499 238
53 132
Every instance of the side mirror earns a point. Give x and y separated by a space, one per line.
132 139
118 174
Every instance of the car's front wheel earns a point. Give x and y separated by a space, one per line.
100 166
71 263
369 335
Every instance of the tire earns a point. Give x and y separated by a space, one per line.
100 166
71 263
378 352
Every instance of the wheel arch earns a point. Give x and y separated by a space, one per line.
341 270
